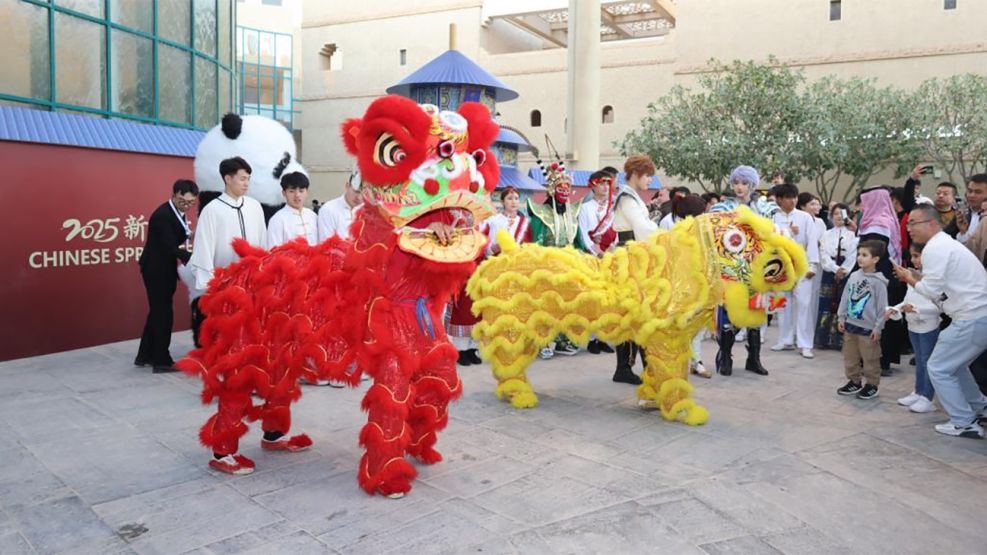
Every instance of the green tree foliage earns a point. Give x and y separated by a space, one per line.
829 132
742 113
950 124
853 130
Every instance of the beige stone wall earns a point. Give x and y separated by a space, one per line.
897 42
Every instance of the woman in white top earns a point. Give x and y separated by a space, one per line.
837 255
511 219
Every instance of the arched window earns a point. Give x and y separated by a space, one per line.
535 118
608 114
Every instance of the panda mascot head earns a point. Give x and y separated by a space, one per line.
263 142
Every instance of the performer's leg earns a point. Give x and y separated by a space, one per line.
666 386
805 316
626 354
786 323
434 386
198 317
754 352
276 420
727 334
222 433
386 434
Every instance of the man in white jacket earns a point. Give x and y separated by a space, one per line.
953 278
631 222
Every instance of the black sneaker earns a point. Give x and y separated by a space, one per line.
850 388
604 348
593 347
868 392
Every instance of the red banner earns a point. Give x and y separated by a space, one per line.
75 222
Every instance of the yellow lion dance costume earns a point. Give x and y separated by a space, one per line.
658 293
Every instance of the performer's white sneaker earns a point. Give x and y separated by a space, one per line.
782 347
546 353
807 353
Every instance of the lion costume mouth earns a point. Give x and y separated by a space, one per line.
459 210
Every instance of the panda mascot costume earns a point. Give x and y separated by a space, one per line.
270 150
264 143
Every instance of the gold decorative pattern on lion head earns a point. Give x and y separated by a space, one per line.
755 260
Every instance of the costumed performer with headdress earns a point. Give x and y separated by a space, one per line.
743 182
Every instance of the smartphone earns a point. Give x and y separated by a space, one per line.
926 169
843 213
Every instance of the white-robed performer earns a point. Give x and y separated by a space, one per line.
336 215
293 220
797 320
229 216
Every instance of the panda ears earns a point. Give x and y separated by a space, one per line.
232 125
350 131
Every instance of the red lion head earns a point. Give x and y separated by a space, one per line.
420 164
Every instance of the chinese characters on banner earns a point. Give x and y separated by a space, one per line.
87 239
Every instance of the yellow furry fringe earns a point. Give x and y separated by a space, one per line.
658 294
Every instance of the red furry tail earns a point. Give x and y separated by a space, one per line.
245 249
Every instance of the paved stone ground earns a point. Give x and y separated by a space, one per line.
97 456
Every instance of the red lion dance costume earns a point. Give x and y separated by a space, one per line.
372 304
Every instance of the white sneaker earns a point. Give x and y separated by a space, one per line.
972 431
783 347
546 353
922 405
742 335
807 353
907 400
700 370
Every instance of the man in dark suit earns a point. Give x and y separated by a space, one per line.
168 243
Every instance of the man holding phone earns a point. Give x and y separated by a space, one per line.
955 280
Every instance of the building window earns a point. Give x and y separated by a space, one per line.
835 10
331 59
949 4
165 62
403 56
266 64
535 118
608 114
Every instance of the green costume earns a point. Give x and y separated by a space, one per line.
551 229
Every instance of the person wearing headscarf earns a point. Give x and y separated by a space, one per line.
880 222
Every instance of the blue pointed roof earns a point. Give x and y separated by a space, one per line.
512 177
510 137
453 68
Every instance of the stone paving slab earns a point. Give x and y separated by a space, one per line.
97 456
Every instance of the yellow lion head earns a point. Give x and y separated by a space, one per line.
754 260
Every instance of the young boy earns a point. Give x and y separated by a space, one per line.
294 220
861 318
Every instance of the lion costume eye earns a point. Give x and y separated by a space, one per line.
480 156
734 240
388 151
773 270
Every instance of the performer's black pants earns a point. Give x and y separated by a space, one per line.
157 329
